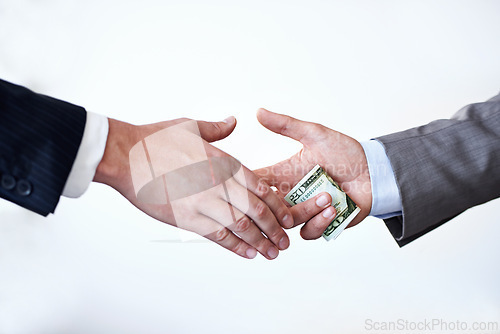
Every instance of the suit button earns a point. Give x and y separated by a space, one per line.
23 188
8 182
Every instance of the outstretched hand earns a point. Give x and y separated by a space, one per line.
214 195
341 156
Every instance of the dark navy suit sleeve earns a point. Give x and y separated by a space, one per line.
39 141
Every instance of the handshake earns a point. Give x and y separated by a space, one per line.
170 171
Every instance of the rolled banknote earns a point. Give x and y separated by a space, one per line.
318 181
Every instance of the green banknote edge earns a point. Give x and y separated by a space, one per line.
333 230
342 219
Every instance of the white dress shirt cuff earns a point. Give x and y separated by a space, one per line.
89 155
386 201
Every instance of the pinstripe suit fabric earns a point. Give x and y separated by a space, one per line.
39 140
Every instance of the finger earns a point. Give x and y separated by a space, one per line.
241 225
305 211
221 235
286 125
281 175
314 228
259 211
213 131
262 190
281 196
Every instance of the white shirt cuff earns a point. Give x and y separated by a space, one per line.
89 155
386 201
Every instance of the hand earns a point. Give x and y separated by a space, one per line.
317 211
216 197
341 156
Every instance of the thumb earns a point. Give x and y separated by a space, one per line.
213 131
285 125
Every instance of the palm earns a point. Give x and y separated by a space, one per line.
341 156
171 172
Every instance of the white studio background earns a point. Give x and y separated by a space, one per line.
365 68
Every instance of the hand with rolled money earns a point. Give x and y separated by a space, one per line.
317 181
344 170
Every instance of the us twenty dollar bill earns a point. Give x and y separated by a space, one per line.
318 181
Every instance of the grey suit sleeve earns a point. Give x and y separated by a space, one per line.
445 167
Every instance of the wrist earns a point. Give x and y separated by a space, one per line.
385 192
89 155
114 165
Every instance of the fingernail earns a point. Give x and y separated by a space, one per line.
284 243
329 213
287 221
322 201
251 253
230 119
272 252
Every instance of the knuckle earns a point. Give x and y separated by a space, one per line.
276 234
242 224
285 126
222 234
319 129
216 126
262 189
262 243
260 209
316 126
238 248
306 212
